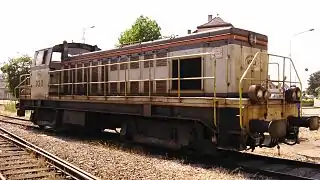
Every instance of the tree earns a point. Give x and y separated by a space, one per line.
14 68
143 30
317 90
314 82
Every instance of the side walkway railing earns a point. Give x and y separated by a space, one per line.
106 83
127 79
57 80
23 87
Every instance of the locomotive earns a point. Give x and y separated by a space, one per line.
207 90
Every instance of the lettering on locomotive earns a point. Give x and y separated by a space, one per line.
39 83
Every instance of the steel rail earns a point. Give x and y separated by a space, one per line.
17 118
66 167
273 166
15 123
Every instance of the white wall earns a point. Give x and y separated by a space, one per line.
316 102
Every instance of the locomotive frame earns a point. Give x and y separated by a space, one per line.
138 88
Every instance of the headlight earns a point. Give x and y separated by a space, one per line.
256 93
293 94
260 94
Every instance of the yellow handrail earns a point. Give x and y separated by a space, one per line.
246 71
188 56
240 85
278 65
214 90
18 86
294 67
179 78
23 75
176 58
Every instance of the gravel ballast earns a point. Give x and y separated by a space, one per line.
109 162
307 150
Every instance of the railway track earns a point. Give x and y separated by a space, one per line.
277 167
20 124
251 163
20 159
16 118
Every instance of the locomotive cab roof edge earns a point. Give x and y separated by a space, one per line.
80 50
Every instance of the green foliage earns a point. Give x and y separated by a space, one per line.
317 90
314 82
307 102
14 68
10 106
143 30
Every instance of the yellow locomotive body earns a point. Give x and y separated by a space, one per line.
206 90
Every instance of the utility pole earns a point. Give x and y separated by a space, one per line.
84 32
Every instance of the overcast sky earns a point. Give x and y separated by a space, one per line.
29 25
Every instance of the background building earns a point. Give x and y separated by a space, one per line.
4 91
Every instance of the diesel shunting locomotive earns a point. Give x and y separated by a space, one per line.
210 89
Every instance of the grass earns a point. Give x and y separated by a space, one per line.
10 107
307 102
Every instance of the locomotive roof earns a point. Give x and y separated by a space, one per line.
204 33
215 29
157 41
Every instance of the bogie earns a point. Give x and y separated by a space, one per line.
164 132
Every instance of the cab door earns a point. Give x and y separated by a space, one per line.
39 78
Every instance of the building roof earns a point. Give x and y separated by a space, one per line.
216 22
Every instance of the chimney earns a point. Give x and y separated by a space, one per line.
189 31
209 18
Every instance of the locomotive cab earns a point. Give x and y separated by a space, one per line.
50 59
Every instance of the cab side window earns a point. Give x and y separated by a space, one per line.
40 57
56 57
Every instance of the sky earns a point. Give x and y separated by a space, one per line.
26 26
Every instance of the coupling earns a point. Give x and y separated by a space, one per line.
311 122
275 128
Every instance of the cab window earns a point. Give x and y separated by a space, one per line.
40 57
56 57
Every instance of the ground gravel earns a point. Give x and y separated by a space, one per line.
109 162
307 150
